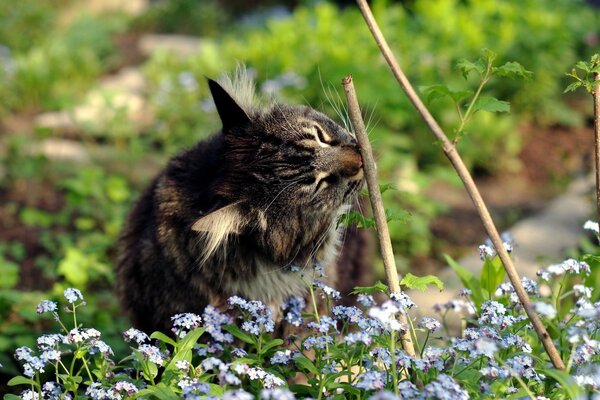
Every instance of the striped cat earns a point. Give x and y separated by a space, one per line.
237 213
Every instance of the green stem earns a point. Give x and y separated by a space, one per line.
74 316
87 369
393 366
424 343
39 385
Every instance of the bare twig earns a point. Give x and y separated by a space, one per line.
596 94
456 161
383 234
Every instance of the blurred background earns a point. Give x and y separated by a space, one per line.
96 95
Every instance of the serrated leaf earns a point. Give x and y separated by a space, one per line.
513 70
377 287
573 86
421 282
582 65
401 216
385 187
355 218
305 364
491 104
435 92
466 67
21 380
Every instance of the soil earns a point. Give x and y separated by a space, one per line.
550 158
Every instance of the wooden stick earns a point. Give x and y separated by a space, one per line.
456 161
383 234
596 94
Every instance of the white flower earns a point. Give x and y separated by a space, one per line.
591 226
386 314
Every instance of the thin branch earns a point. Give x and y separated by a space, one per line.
465 176
383 234
596 94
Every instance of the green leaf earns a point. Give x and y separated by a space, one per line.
21 380
468 280
491 104
566 382
513 70
377 287
401 216
11 397
573 86
238 333
492 274
435 92
355 218
305 364
10 273
163 338
269 345
466 67
163 392
184 348
150 371
421 282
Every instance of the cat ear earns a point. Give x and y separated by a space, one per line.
230 112
217 225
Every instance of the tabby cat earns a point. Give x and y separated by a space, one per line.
240 211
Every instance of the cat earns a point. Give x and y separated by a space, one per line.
237 213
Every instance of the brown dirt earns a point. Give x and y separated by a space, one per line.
550 158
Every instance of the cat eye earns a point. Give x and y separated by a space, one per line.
327 180
322 136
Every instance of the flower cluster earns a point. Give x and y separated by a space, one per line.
347 348
258 317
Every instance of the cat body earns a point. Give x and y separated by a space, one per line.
240 212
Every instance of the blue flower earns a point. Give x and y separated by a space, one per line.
365 299
402 301
408 390
358 337
327 291
46 306
214 321
352 314
183 323
50 341
371 380
152 353
238 394
318 342
281 357
292 310
276 394
324 325
134 334
431 324
445 388
72 295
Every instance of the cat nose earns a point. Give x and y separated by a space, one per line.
349 162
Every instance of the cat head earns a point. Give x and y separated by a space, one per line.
289 171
